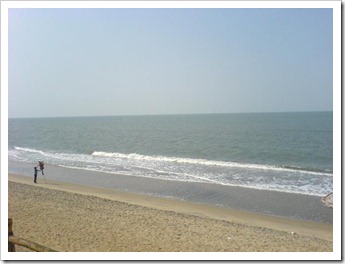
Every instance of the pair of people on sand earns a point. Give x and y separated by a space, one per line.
41 167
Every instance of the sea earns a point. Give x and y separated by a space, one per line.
282 152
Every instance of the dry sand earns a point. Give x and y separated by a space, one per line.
68 217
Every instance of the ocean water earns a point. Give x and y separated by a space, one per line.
285 152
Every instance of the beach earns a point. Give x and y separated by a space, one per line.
198 128
69 217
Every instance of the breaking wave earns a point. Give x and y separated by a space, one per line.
258 176
229 164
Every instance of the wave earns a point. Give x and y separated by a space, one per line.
30 150
175 160
135 156
309 170
257 176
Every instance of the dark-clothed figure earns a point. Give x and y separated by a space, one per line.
35 175
41 164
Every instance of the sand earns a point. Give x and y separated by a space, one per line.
328 200
74 218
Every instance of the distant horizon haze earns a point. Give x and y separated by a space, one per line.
138 115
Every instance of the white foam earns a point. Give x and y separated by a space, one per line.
229 164
30 150
185 169
139 157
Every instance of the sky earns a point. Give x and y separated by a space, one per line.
101 62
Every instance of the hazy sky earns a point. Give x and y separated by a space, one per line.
89 62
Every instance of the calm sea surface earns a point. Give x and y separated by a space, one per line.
287 152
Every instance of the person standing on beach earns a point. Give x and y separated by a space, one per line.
35 175
41 164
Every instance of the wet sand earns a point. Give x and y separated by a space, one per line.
287 205
75 218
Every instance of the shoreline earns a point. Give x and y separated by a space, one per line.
280 204
310 229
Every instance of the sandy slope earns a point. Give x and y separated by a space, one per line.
69 217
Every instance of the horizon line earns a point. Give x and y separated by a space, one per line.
175 114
